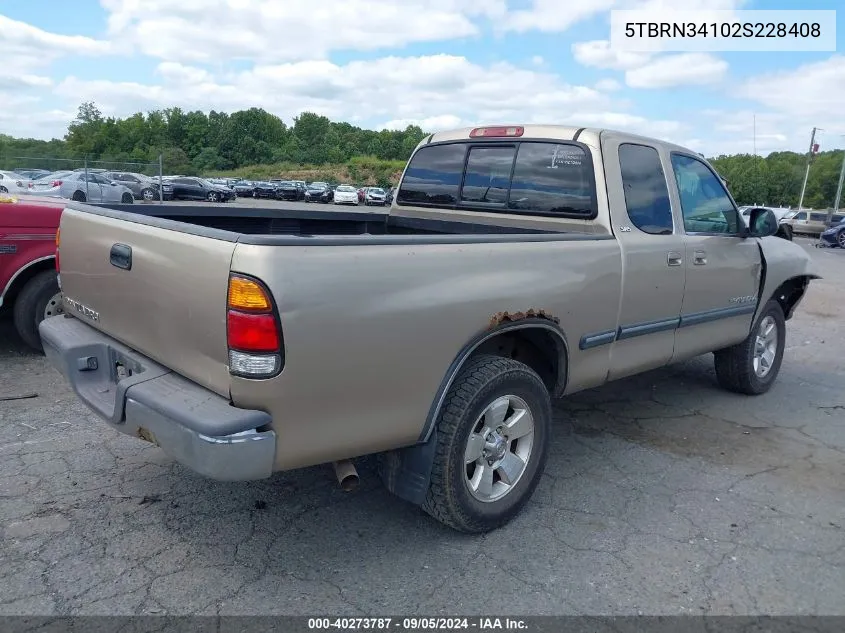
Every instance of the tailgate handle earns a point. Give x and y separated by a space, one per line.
121 256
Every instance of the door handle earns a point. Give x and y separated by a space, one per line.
674 258
700 258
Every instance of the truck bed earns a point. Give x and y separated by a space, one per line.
276 226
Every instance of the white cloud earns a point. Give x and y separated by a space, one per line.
537 60
599 54
435 89
608 85
274 30
684 69
812 90
23 46
174 72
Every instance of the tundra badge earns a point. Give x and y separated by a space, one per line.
82 309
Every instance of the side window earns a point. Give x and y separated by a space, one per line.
800 216
706 206
552 178
818 217
488 175
433 176
646 191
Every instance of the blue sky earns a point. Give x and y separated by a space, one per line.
437 63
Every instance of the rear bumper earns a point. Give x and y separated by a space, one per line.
193 425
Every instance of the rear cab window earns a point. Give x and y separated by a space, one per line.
547 178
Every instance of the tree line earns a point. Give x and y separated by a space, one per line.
258 142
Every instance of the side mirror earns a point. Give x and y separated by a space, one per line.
113 183
762 223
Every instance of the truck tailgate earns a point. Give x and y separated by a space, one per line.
169 303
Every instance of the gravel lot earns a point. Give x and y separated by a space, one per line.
662 495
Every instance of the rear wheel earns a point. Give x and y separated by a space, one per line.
39 299
213 196
127 198
3 189
752 366
840 239
78 196
492 443
148 194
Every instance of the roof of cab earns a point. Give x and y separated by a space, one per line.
588 135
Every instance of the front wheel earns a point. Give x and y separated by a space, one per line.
840 239
751 367
3 189
492 442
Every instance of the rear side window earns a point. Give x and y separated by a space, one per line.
818 217
646 191
434 176
524 178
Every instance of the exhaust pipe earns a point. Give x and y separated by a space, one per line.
346 474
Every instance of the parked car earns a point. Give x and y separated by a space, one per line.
345 194
76 185
374 196
142 187
14 183
28 284
243 187
806 222
319 192
264 189
200 189
507 272
91 170
784 230
835 235
31 174
290 190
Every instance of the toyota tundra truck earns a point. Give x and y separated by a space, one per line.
517 264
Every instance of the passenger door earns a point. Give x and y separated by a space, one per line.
92 188
723 268
652 250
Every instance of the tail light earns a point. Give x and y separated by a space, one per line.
58 239
256 346
56 183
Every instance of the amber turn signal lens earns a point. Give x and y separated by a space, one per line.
246 294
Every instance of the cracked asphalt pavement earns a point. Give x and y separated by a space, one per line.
663 495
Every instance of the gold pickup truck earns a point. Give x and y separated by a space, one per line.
516 264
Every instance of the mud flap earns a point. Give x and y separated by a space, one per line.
406 472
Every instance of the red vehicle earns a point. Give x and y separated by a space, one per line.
29 286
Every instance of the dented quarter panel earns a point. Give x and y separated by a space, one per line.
370 332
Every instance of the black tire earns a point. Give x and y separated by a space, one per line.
127 198
213 196
480 382
3 189
735 365
148 195
840 239
78 196
31 305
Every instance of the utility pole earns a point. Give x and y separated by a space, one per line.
807 172
839 188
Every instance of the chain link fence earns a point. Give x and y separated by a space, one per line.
143 179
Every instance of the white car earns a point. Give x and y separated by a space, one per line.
14 183
345 194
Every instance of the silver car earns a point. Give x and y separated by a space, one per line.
76 185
